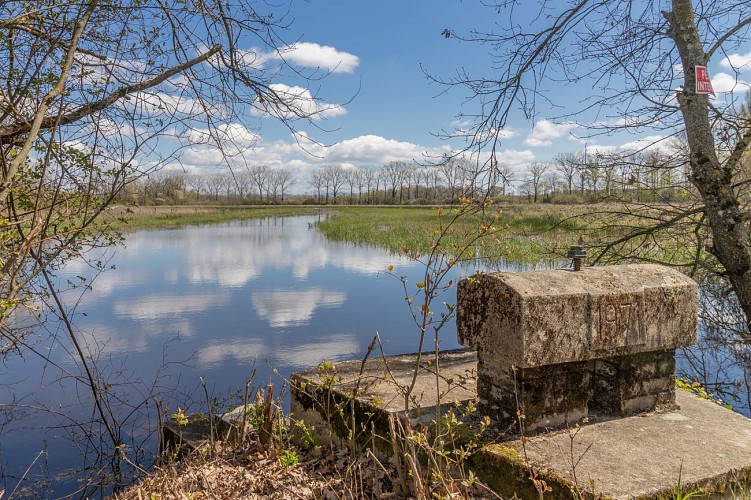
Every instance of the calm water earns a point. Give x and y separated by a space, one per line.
213 301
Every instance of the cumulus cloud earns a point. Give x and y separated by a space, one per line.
290 102
467 131
723 82
505 133
649 143
736 61
376 149
236 134
305 54
515 158
313 55
301 156
545 131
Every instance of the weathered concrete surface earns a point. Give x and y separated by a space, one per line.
546 317
707 446
548 396
178 440
624 385
380 380
633 457
348 400
554 396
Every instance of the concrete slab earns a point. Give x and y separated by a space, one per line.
702 444
381 380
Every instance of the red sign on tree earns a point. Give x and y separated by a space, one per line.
703 85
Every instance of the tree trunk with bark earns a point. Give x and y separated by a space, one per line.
714 180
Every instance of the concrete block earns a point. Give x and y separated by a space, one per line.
559 316
631 384
547 396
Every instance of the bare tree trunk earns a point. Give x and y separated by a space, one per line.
730 230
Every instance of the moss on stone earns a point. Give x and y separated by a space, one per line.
505 470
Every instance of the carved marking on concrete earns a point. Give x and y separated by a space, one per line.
618 325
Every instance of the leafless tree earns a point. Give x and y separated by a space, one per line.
361 180
371 181
284 179
317 182
196 182
227 183
335 177
505 176
215 184
417 175
393 173
259 174
452 173
567 164
351 175
536 172
243 182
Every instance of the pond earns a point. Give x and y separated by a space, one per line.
214 303
181 308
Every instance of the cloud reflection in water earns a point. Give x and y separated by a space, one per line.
167 306
283 308
300 355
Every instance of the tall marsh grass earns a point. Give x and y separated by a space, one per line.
521 235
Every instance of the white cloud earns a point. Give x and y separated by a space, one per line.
292 101
736 61
301 156
376 149
465 130
461 124
515 159
723 82
649 143
545 131
235 135
313 55
305 54
506 133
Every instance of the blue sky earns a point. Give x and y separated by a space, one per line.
378 53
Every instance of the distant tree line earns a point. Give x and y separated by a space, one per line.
399 182
569 178
256 185
634 177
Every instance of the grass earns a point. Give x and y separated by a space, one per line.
521 234
126 219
